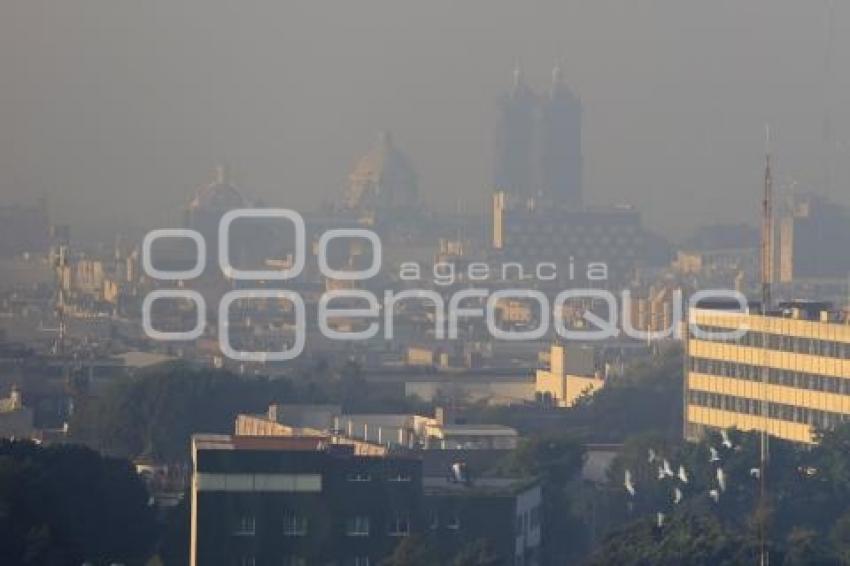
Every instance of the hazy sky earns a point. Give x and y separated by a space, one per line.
118 110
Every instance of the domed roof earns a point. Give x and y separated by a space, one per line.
218 195
383 178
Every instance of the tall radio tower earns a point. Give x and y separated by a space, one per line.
767 257
767 252
827 141
61 262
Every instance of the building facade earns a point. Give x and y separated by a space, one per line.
572 373
538 143
812 233
505 512
298 500
560 145
532 232
514 161
789 374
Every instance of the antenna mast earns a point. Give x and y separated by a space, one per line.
60 306
767 258
827 141
767 254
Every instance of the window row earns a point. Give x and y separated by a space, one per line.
784 343
292 560
784 377
296 525
361 476
569 228
822 420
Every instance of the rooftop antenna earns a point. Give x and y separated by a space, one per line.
459 220
847 303
767 227
60 304
827 142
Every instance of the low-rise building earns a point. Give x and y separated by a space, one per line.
16 420
370 432
307 500
298 500
507 512
573 372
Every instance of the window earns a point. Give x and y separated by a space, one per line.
399 525
454 523
360 561
357 526
294 561
399 477
245 526
294 525
359 477
247 560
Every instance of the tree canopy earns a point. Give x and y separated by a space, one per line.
68 505
155 412
805 511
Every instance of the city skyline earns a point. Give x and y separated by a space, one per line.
674 101
376 283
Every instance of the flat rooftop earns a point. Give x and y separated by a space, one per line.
270 443
813 311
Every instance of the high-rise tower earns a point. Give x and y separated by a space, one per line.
560 144
514 141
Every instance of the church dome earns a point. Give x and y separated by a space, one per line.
382 179
218 195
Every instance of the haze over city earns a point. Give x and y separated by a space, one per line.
383 283
119 112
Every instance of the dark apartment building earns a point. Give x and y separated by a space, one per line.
304 500
505 512
298 500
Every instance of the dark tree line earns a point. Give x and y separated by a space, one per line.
807 513
66 505
155 413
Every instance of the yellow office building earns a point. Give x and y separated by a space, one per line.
788 374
